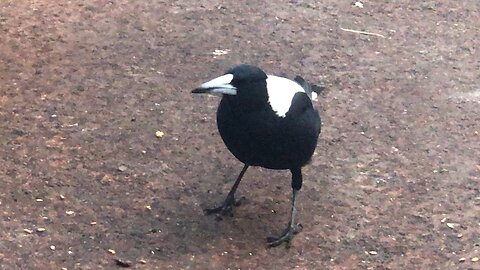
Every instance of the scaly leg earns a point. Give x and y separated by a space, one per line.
227 207
292 227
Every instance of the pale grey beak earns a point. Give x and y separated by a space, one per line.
220 85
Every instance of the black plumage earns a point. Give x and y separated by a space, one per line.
265 121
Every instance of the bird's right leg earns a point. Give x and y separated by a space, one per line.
292 228
227 207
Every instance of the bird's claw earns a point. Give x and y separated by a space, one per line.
226 209
286 237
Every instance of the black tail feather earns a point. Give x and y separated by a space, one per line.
309 88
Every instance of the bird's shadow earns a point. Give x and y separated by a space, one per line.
178 226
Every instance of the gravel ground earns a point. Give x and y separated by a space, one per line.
86 85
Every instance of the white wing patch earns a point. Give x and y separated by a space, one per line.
280 93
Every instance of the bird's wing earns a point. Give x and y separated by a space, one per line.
300 103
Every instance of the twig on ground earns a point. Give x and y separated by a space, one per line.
362 32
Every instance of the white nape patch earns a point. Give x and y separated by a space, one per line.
221 85
280 93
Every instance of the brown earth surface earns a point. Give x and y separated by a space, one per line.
85 85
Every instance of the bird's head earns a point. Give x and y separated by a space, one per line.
235 82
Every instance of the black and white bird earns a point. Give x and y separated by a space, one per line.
267 121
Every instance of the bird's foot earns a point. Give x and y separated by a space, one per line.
226 209
286 237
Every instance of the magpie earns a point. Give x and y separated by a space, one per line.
267 121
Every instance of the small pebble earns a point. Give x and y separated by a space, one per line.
41 229
148 207
142 261
358 4
122 168
69 212
159 134
373 252
52 247
62 197
451 225
39 200
93 223
112 251
218 52
462 259
475 259
123 263
27 231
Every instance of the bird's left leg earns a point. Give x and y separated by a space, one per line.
292 228
227 207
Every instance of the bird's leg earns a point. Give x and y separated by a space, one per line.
290 231
292 228
227 207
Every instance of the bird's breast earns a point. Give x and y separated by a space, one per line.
261 138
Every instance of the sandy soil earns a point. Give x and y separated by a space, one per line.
84 86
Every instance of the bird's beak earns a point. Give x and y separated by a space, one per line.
220 85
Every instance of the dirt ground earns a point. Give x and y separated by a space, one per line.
85 85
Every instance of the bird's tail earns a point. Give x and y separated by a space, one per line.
312 90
